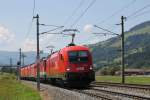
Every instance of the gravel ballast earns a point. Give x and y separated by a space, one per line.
49 92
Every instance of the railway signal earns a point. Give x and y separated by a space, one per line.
18 76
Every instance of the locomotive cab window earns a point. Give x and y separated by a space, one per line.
78 56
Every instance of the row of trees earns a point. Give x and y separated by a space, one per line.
9 70
108 70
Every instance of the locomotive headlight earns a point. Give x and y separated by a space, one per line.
91 67
68 69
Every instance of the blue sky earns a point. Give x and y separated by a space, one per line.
16 16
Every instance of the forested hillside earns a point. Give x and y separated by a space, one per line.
137 49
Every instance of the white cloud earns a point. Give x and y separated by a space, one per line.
5 35
29 45
88 28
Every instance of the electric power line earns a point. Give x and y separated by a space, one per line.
115 13
50 25
74 12
139 10
82 14
110 32
52 30
140 14
30 24
33 11
118 11
29 29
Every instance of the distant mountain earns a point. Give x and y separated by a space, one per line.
137 49
6 55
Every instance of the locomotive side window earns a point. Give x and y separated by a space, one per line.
78 56
61 57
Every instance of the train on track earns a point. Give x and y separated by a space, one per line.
72 66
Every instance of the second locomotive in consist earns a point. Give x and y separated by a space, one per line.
71 65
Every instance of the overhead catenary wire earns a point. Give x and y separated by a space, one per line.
145 12
118 11
52 30
68 19
50 25
115 13
33 11
110 32
140 14
137 11
74 12
82 14
31 22
29 29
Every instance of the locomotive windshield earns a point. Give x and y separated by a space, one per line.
78 56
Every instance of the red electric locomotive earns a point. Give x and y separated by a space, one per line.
72 65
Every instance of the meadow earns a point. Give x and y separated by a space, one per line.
11 89
128 79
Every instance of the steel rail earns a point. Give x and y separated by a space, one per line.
122 94
136 86
103 97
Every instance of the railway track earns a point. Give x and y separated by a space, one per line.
99 95
122 95
130 91
100 92
133 86
110 95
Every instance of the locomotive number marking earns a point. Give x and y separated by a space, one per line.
80 68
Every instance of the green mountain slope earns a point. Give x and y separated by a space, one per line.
137 49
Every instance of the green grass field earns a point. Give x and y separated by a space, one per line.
128 79
10 89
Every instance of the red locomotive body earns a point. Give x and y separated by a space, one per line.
72 64
42 70
22 72
33 71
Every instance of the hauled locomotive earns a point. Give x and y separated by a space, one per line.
71 66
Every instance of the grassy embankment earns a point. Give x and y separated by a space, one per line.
10 89
128 79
